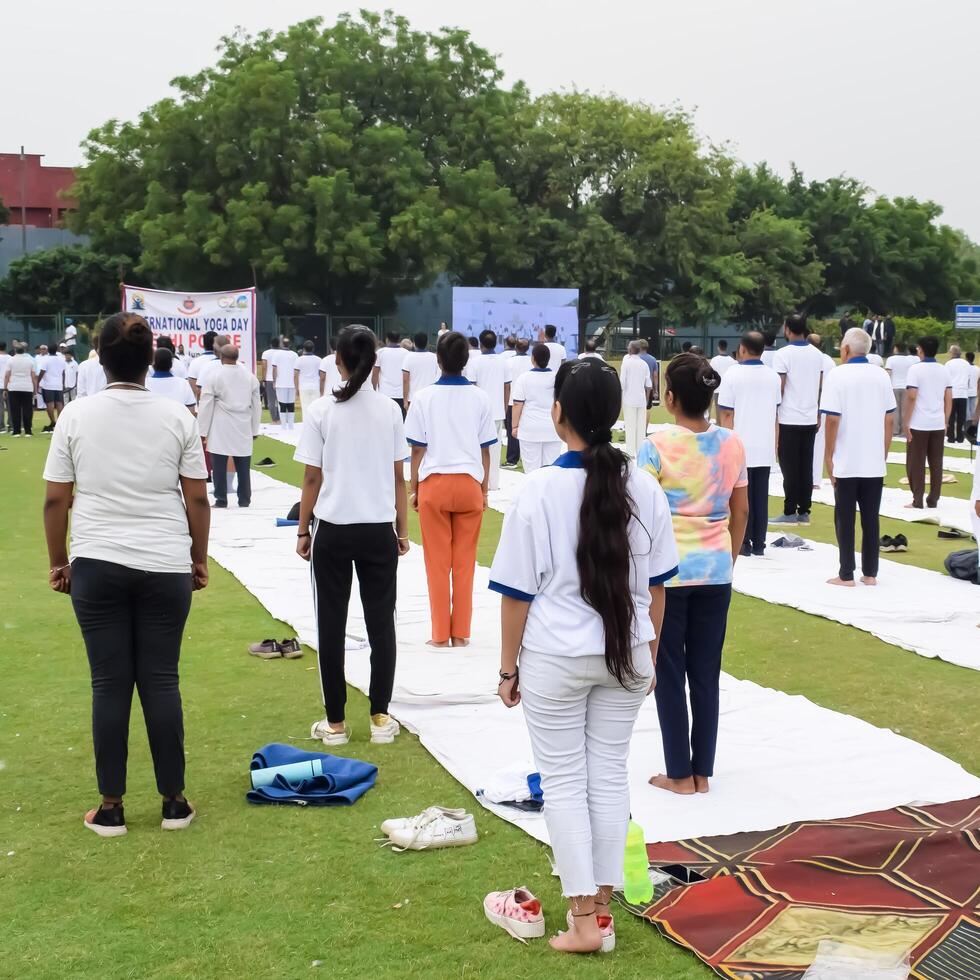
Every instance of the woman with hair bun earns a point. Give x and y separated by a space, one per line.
702 470
134 465
583 557
353 515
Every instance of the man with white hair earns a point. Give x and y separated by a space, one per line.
959 372
634 376
858 406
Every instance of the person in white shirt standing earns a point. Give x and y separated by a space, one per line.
634 377
801 368
533 424
859 405
283 376
330 378
769 351
71 335
419 369
897 367
960 373
819 444
748 400
307 379
510 347
51 384
519 364
722 362
91 376
20 380
387 375
266 363
973 387
928 404
230 418
162 381
202 362
489 373
558 351
591 350
5 360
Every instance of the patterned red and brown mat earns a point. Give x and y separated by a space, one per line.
758 904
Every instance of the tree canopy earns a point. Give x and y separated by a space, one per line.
342 164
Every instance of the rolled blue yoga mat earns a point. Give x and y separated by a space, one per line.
283 522
292 773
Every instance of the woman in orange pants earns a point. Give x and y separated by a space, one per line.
452 433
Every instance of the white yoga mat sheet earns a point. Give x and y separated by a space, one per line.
780 758
951 464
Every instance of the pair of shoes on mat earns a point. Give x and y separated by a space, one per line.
111 821
897 543
384 730
519 914
433 828
288 649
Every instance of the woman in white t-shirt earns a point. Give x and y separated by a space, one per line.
583 557
308 377
533 394
130 468
353 445
21 384
163 381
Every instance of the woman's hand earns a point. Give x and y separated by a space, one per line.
486 499
303 545
413 497
199 575
403 545
509 692
60 579
653 684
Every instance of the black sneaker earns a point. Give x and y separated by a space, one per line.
901 543
220 503
888 543
177 814
745 551
107 821
266 462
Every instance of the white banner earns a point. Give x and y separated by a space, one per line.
518 311
186 317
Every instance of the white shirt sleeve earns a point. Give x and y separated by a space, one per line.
189 398
726 393
663 560
517 390
488 427
60 467
779 361
309 449
415 428
830 403
518 568
192 463
888 397
401 450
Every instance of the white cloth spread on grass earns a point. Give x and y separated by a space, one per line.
952 464
780 758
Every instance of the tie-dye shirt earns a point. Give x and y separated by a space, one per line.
698 471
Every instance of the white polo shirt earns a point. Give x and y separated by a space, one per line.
201 363
176 389
269 358
861 395
489 374
930 379
535 391
422 368
804 367
390 361
516 366
535 560
308 366
898 366
558 354
722 364
54 373
753 392
356 445
634 376
285 364
330 372
453 420
959 372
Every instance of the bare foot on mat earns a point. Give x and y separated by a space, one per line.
683 787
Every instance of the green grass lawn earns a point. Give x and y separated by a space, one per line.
268 891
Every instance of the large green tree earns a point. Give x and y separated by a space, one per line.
67 279
340 165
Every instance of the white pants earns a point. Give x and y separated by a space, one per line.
819 444
495 456
636 428
580 720
534 455
307 396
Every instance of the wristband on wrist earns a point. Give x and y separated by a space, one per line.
303 534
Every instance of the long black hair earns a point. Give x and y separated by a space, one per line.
590 396
357 348
692 381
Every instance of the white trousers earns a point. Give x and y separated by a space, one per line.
534 455
307 396
495 456
636 428
580 720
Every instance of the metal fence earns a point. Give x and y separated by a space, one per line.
49 329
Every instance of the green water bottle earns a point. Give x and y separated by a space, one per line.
638 887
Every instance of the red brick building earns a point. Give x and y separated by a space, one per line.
27 181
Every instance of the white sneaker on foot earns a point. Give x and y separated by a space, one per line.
328 735
431 830
384 728
400 823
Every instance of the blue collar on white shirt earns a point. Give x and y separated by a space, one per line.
798 343
858 360
522 354
928 360
545 370
572 460
452 379
161 374
753 361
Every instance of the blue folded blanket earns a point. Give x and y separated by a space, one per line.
343 782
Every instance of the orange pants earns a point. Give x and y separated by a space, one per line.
450 512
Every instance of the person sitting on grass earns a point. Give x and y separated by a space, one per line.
132 567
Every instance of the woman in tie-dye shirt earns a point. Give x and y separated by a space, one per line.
702 470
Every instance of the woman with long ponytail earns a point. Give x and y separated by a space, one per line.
353 515
583 557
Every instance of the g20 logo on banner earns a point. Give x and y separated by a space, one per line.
240 302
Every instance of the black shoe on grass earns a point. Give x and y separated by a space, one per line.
266 462
177 815
107 821
901 542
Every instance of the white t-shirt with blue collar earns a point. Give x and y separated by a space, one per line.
535 560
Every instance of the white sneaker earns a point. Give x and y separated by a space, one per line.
400 823
327 735
384 728
433 830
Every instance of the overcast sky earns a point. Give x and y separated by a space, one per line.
883 90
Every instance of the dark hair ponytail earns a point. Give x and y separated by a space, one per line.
357 348
590 396
692 381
